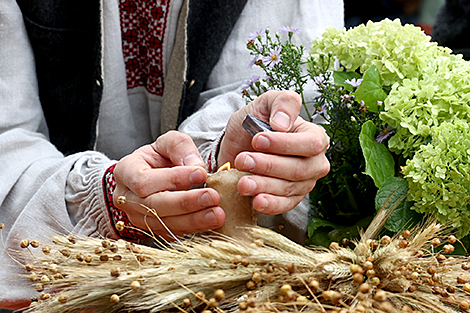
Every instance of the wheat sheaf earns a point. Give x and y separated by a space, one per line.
413 271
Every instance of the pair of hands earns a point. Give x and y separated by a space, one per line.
286 165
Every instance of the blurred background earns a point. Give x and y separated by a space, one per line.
421 13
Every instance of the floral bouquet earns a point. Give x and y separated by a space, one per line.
396 108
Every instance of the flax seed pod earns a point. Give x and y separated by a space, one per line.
24 243
114 298
135 285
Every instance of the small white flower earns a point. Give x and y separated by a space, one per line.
336 64
354 82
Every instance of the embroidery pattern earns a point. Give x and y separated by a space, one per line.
115 214
143 25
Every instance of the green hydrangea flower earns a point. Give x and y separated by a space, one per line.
428 84
414 106
427 104
385 44
439 175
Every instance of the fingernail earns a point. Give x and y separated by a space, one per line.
249 164
251 186
192 159
282 119
262 143
197 176
210 218
205 200
264 207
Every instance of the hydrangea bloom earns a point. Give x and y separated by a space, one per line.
414 107
384 44
427 105
439 175
428 84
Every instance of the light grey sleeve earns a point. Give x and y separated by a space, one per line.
41 191
206 126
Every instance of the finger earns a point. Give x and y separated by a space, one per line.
179 148
149 181
310 141
279 108
201 221
252 185
170 203
285 167
272 205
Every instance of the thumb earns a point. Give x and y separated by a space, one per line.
281 108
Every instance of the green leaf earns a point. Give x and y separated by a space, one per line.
393 195
322 232
350 232
318 230
370 91
340 77
316 223
380 164
319 237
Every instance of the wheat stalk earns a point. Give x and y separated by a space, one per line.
265 272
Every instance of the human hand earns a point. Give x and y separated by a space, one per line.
160 176
286 163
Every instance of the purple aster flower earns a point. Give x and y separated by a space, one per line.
247 83
290 29
253 61
385 134
255 35
319 111
273 58
267 78
319 80
354 82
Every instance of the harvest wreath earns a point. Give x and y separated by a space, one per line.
264 272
